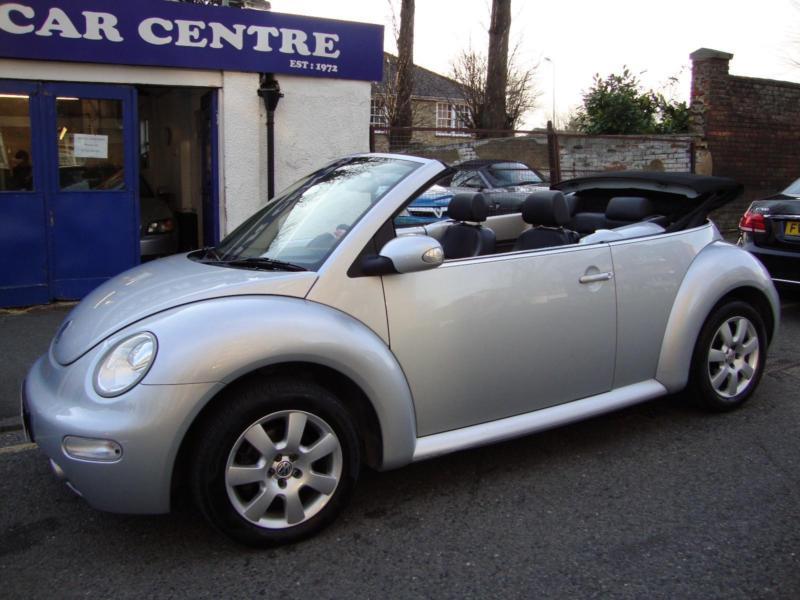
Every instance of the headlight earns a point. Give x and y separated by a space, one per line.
162 226
125 364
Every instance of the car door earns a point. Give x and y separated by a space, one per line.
485 338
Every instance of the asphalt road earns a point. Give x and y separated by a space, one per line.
657 501
25 335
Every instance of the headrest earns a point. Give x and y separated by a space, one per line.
468 207
572 203
628 208
548 208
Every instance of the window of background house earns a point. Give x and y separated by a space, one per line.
377 114
451 115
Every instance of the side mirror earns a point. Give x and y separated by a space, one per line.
405 254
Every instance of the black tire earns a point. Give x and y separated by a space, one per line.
706 368
244 405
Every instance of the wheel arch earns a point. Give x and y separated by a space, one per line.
270 334
356 402
705 287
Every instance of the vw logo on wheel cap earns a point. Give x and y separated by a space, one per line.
283 469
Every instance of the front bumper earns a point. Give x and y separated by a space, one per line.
783 265
148 422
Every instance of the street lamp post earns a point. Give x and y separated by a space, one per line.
553 64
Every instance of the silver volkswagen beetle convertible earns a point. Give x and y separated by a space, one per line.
258 376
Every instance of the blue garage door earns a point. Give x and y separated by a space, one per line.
69 214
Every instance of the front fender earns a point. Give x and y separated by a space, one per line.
222 339
717 270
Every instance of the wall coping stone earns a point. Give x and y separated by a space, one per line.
708 53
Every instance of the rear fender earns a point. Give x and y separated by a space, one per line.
718 270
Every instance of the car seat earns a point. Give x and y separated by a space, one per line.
467 237
548 212
626 210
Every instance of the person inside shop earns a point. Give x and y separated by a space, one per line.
21 171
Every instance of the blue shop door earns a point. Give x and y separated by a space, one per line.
23 238
91 185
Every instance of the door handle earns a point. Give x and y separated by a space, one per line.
596 277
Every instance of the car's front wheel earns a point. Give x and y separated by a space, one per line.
276 462
729 356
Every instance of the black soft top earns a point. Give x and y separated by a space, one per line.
686 184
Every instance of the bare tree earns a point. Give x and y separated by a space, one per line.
497 65
521 92
402 114
469 71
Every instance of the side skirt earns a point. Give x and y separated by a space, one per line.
546 418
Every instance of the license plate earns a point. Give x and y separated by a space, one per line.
792 228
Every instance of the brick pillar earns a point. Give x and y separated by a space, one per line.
709 67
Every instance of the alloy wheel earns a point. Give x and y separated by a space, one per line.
733 356
283 469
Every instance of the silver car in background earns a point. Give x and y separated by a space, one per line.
260 375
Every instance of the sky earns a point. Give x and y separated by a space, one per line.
584 37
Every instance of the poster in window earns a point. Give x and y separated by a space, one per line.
91 146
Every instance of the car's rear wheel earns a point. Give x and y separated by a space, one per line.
729 356
276 462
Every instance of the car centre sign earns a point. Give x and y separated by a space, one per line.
173 34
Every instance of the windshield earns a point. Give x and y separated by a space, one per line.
303 224
793 190
512 173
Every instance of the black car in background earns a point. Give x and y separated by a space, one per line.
504 183
496 176
770 230
158 227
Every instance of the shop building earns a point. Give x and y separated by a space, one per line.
133 129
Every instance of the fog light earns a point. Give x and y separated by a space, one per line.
92 449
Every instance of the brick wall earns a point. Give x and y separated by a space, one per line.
751 128
532 150
581 155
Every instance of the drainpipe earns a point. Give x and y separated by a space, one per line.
270 92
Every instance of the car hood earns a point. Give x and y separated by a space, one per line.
157 286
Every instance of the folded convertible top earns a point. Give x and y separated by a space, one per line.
686 184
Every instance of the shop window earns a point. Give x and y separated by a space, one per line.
452 115
90 144
16 167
